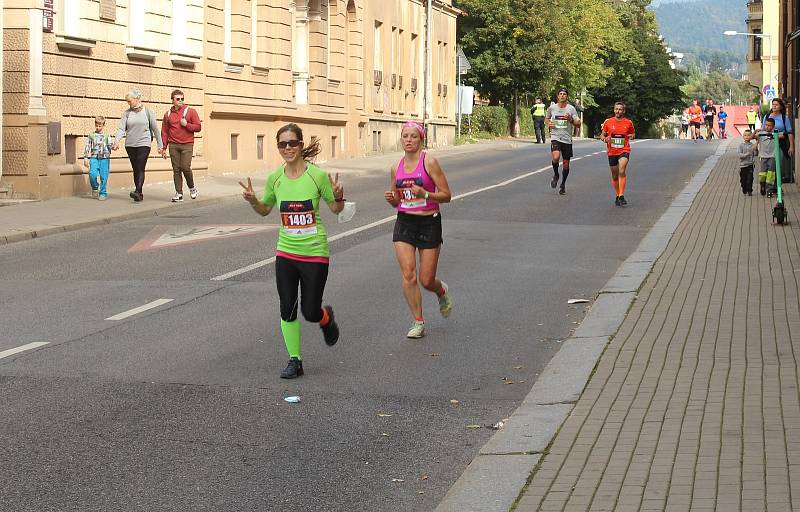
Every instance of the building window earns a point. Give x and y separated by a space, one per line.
333 146
260 147
757 46
179 22
378 54
71 148
234 146
108 10
136 22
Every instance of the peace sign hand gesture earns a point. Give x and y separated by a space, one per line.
338 189
249 194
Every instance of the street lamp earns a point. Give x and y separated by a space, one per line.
768 37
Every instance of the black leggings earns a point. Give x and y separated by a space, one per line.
138 156
311 277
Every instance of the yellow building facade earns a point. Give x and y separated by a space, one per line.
348 71
762 53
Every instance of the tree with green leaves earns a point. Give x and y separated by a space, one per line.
534 46
649 87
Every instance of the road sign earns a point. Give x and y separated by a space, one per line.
769 92
462 62
171 236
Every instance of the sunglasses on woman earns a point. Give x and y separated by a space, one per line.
290 143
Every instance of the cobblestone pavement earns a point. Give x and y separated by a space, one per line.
695 403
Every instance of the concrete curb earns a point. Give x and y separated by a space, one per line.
50 229
498 474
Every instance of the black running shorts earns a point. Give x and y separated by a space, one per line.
563 147
614 160
421 231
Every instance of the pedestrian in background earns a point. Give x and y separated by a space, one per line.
178 127
747 155
783 126
538 112
722 119
709 111
685 124
766 157
752 115
97 157
138 125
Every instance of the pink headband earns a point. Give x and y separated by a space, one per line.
416 126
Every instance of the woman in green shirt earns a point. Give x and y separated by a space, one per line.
302 256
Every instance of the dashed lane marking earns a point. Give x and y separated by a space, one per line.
23 348
140 309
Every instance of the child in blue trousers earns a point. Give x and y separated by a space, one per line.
97 156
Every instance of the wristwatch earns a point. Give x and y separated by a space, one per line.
426 194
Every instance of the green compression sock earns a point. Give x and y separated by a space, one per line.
291 336
770 177
762 177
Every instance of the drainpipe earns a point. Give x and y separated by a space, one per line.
427 70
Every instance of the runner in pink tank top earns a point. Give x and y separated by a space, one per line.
404 182
417 196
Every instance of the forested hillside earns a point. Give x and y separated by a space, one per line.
695 28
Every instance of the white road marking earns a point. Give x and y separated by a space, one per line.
136 311
268 261
23 348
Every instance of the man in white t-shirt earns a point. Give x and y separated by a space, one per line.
562 118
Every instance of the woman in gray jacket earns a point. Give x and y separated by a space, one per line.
138 126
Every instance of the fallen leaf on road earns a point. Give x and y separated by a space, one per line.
518 367
292 399
473 426
509 382
384 434
425 477
435 355
420 492
454 402
400 480
577 301
383 415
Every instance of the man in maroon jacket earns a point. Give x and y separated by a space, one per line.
177 131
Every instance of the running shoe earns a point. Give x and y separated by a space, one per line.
562 190
616 201
331 330
293 370
177 198
102 198
193 193
417 330
445 302
622 201
763 188
554 181
95 192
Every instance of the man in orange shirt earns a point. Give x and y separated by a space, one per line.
695 120
617 133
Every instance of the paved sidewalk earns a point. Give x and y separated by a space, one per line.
31 219
695 404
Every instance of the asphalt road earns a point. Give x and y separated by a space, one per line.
181 408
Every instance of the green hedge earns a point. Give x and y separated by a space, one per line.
525 122
490 119
495 121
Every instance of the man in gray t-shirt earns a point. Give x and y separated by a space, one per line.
562 118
